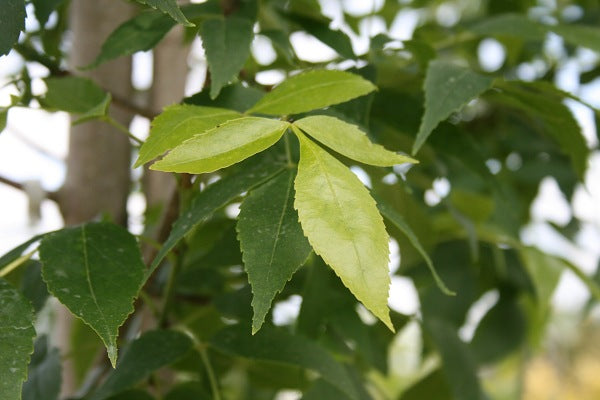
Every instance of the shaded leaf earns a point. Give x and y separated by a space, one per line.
178 123
12 22
458 364
76 95
448 87
188 391
226 42
132 394
544 271
95 270
433 386
17 251
321 389
225 145
276 345
215 196
234 97
395 218
579 35
140 33
17 333
349 140
44 373
319 28
312 90
151 351
517 25
342 224
43 9
272 241
169 7
32 285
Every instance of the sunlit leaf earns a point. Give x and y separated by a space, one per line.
225 145
342 224
169 7
276 345
448 87
12 22
151 351
176 124
312 90
95 270
349 140
272 241
227 45
17 333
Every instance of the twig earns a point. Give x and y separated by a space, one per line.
111 121
19 186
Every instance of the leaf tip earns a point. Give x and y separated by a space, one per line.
111 349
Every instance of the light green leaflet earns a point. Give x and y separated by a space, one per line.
342 224
223 146
176 124
168 7
96 271
350 141
272 241
312 90
448 87
16 340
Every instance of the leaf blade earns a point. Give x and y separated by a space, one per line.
76 95
16 346
349 140
169 7
223 146
81 266
312 90
342 224
12 22
268 226
178 123
458 85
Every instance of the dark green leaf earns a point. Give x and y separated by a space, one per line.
43 9
12 22
140 33
312 90
169 7
44 373
272 241
458 364
215 196
153 350
433 386
579 35
132 394
188 391
176 124
32 285
321 390
517 25
227 45
76 95
448 87
335 39
234 97
278 346
17 251
395 218
16 345
95 270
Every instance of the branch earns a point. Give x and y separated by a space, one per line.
19 186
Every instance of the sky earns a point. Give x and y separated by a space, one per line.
35 143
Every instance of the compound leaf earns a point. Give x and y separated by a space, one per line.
176 124
349 140
17 333
342 224
223 146
312 90
96 271
272 242
227 45
448 87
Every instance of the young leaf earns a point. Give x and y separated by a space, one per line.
342 224
394 217
312 90
227 45
43 373
349 140
169 7
76 95
448 87
140 33
17 333
215 196
151 351
278 346
272 242
176 124
95 270
223 146
12 21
